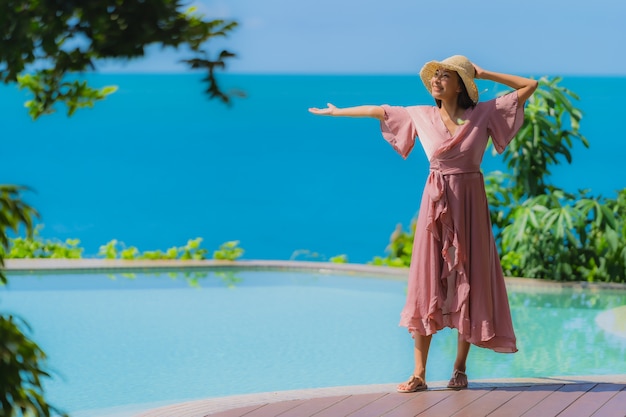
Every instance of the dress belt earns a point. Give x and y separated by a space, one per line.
436 186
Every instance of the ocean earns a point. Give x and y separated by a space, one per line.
157 163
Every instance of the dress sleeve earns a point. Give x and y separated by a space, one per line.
505 120
398 129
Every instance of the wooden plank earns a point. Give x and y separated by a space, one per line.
267 410
235 412
350 405
558 401
527 398
420 402
382 405
592 400
312 406
615 407
454 402
489 402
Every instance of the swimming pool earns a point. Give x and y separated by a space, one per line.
146 339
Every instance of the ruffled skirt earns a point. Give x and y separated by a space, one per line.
455 278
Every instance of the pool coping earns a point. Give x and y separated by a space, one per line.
49 265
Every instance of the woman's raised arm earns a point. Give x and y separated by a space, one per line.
525 86
375 112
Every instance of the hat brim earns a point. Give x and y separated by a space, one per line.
429 69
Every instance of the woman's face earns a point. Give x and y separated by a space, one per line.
444 84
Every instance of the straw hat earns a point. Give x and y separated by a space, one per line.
457 63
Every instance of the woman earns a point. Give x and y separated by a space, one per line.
455 278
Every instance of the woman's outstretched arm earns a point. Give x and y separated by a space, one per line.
525 86
375 112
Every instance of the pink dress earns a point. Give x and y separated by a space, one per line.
455 278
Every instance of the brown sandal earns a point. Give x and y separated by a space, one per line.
458 380
414 384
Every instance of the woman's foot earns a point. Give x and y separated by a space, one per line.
414 384
458 380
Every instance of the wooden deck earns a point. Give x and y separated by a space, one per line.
557 397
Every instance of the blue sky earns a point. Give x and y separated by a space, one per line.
534 37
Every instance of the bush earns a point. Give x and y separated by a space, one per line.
21 373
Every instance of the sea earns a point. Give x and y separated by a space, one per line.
157 163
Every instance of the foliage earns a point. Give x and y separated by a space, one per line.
339 259
36 247
499 188
229 251
14 212
75 94
115 249
551 124
400 248
21 373
21 360
567 237
541 230
42 44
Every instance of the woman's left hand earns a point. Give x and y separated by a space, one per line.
478 71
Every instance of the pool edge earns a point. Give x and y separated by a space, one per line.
48 265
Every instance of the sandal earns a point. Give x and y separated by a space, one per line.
458 380
414 384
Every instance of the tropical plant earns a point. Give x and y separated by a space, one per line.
22 362
34 246
543 231
43 45
551 124
115 249
567 237
339 259
22 373
400 248
228 251
14 213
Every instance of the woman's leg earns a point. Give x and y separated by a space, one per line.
420 354
459 378
462 350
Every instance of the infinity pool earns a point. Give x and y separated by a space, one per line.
147 339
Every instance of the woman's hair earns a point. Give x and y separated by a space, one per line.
463 99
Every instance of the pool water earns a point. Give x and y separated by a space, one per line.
148 339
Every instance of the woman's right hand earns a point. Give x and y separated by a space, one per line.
328 111
375 112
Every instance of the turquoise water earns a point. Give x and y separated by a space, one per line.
157 163
140 340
